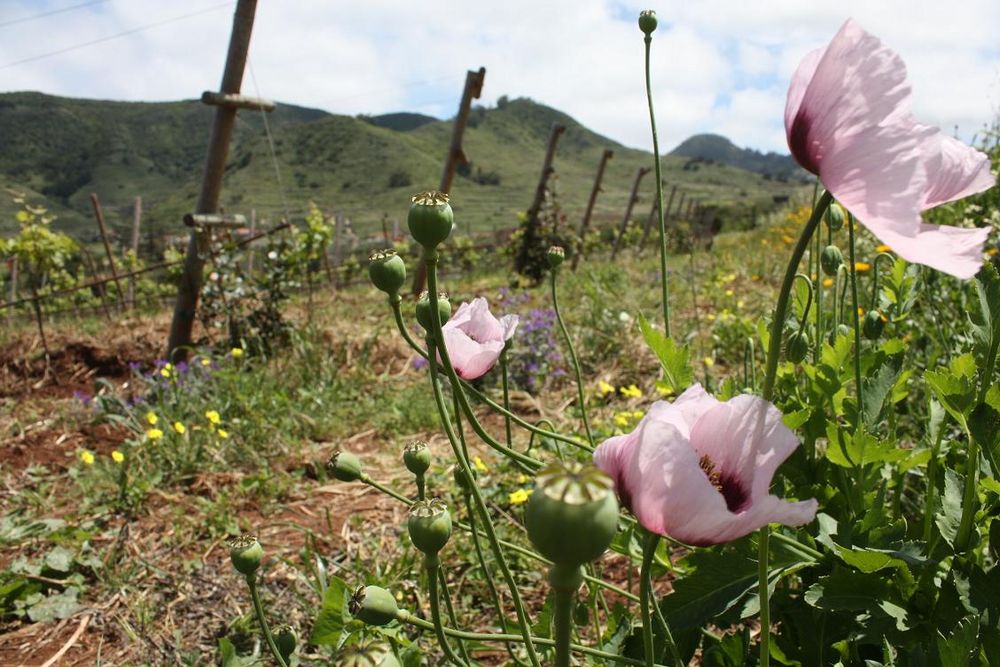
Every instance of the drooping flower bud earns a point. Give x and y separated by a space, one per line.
873 325
556 256
831 259
835 217
647 21
573 514
429 525
417 457
285 639
430 218
797 345
344 466
373 605
424 310
246 553
387 271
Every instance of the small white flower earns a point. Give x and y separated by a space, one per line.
272 255
624 317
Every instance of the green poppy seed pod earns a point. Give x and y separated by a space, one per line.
430 218
387 271
429 525
461 480
417 457
873 325
841 330
797 346
647 21
573 514
556 256
375 654
373 605
285 640
835 217
831 259
344 466
424 310
246 553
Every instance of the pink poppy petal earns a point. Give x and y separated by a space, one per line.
480 324
685 410
509 325
954 170
612 456
953 250
767 510
796 91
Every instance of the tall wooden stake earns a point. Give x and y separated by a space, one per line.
633 198
585 223
99 214
473 89
136 220
12 264
253 232
211 184
531 225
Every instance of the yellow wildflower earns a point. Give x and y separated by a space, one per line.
708 361
523 479
154 434
180 428
991 251
739 304
213 417
827 282
152 418
604 388
117 456
520 496
478 464
638 414
631 391
664 389
622 419
882 248
87 457
237 352
205 361
222 433
861 267
729 292
165 372
788 239
861 311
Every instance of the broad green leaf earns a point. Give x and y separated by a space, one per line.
333 615
675 359
860 448
984 425
228 656
848 590
950 516
955 391
955 649
58 606
878 388
870 560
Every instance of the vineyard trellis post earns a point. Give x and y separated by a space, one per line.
136 221
632 199
227 103
99 214
473 89
652 215
13 289
531 222
585 223
253 232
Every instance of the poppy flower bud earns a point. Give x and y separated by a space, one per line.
647 21
831 259
417 457
841 330
344 466
556 256
424 310
387 271
573 514
835 217
285 639
429 525
873 326
373 605
797 346
246 553
430 218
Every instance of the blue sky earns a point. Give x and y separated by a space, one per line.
718 66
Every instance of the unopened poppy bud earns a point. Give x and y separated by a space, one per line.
344 466
831 259
647 21
246 553
430 218
461 479
373 605
285 640
840 330
429 525
417 457
873 325
387 271
573 514
797 346
424 310
835 217
556 256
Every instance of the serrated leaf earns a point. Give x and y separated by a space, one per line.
984 425
870 560
955 649
859 448
950 516
878 388
675 359
848 590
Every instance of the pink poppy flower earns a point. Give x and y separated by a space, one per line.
847 119
699 469
475 338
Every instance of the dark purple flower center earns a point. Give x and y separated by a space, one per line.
798 142
728 485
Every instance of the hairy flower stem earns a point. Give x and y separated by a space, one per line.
432 565
258 610
659 196
770 373
572 357
856 320
647 602
506 392
565 583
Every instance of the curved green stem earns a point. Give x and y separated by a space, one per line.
431 564
856 319
565 583
506 393
258 610
764 593
647 602
659 196
572 358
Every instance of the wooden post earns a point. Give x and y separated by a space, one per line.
633 198
473 89
253 232
211 184
99 214
652 216
136 220
687 214
531 224
585 223
12 263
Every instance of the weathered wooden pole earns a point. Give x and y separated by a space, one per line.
136 221
253 232
12 265
633 198
473 89
531 223
99 214
211 184
585 223
652 216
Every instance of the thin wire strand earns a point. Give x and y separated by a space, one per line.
51 12
270 144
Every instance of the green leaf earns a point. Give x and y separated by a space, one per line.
848 590
950 516
52 607
955 650
870 560
984 425
333 616
675 359
878 388
953 389
860 448
228 656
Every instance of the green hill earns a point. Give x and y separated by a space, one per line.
62 149
716 148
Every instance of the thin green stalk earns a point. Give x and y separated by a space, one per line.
969 496
764 593
856 319
572 358
565 583
452 616
431 564
932 468
258 610
659 196
646 601
818 343
506 393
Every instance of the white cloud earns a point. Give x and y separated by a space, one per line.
718 66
